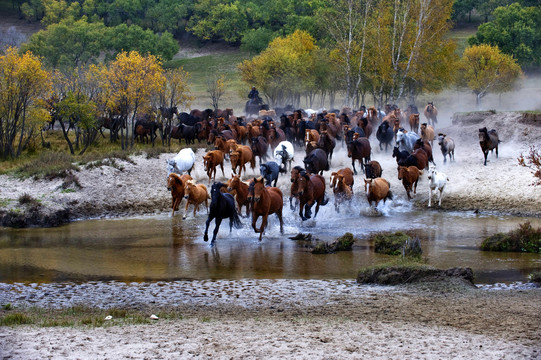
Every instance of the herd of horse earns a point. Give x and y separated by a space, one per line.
243 141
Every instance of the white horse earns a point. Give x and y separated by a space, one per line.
183 161
437 182
283 154
406 140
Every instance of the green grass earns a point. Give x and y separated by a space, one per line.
15 319
461 35
201 67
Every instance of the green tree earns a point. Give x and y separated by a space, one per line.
23 86
485 69
282 70
216 88
69 43
214 20
516 30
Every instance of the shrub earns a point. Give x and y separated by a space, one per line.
523 239
412 248
27 199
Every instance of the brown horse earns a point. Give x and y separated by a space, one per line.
342 191
310 190
221 144
348 177
489 141
327 143
195 194
427 133
376 190
239 189
240 157
260 148
175 184
310 135
211 160
359 150
414 122
372 169
409 176
372 116
265 201
142 134
425 145
275 136
431 113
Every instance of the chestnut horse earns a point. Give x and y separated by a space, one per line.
211 160
195 194
342 191
310 190
175 184
348 177
410 177
265 201
240 157
327 143
372 169
376 190
239 189
414 122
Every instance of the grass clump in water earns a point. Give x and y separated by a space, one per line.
343 243
523 239
390 243
535 277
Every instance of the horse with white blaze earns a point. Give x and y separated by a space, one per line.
437 181
183 161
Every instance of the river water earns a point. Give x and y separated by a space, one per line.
158 247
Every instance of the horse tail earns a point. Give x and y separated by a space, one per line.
236 220
389 195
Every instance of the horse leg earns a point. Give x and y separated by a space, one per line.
221 167
186 210
279 214
263 226
353 164
254 222
430 197
486 154
415 187
441 195
215 232
209 219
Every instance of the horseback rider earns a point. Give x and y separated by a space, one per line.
254 96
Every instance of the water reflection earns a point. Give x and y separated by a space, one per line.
164 248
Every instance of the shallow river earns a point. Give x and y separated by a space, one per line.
159 247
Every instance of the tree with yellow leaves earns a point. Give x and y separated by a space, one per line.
132 80
23 86
282 71
174 94
485 69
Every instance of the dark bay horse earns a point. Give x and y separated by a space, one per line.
385 134
260 147
316 161
265 201
310 190
489 141
359 150
222 206
327 143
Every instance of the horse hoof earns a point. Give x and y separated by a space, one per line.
205 238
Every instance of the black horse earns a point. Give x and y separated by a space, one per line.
252 108
270 171
385 134
222 206
316 162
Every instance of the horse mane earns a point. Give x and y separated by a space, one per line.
299 168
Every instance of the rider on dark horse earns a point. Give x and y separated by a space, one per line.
254 97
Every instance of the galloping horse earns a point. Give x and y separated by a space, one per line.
385 134
310 190
195 194
414 122
265 201
359 150
437 183
316 162
175 184
447 146
376 190
284 154
431 113
211 160
327 143
410 177
236 187
222 206
489 141
342 191
406 140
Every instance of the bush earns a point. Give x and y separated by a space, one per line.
523 239
343 243
412 248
